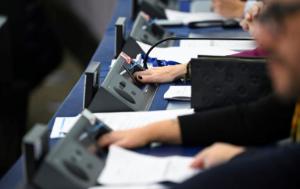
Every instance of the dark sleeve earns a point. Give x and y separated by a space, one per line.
261 122
274 168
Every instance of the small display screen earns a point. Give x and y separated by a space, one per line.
128 73
128 68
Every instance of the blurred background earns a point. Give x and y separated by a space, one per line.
44 47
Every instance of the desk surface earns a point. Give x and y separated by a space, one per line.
73 102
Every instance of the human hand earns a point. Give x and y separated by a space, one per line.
248 22
131 138
229 8
161 74
215 155
166 131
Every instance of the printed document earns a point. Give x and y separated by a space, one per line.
118 121
187 17
127 167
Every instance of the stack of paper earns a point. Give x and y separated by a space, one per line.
181 93
118 121
124 167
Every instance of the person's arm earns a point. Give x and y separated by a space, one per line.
163 74
229 8
164 131
248 21
275 168
260 122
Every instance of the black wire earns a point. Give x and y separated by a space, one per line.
184 38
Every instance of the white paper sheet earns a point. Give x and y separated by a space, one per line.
118 121
184 54
181 93
62 125
127 167
187 17
235 45
201 6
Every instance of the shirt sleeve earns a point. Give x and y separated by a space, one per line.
261 122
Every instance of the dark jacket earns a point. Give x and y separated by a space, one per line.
274 167
263 122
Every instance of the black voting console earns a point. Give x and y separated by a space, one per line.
223 81
121 92
143 30
91 83
156 8
148 32
132 48
76 161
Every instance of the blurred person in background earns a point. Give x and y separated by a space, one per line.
232 8
39 33
35 52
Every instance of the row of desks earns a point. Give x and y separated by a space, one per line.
72 104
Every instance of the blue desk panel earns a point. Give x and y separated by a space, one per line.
104 53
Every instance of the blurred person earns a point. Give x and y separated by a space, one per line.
229 8
234 9
35 52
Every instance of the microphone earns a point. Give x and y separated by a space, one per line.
187 39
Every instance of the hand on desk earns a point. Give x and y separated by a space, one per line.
168 131
164 131
131 138
161 74
216 154
248 22
229 8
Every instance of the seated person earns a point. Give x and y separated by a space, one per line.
235 164
171 73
